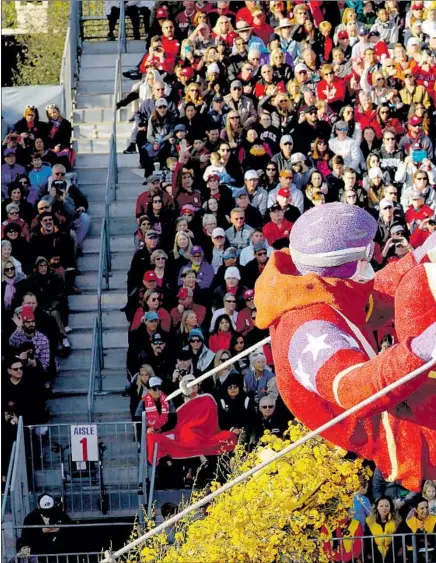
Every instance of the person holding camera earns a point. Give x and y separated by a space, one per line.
423 231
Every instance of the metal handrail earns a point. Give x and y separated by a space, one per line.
95 371
122 42
8 481
69 66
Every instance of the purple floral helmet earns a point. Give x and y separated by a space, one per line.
330 239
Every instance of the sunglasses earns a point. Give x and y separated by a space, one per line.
236 88
44 208
161 107
16 369
249 298
158 343
233 386
13 212
10 269
263 253
13 232
328 73
235 117
389 138
156 388
341 129
224 360
421 178
271 169
267 407
230 301
195 340
157 201
59 174
288 143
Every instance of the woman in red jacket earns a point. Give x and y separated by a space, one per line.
331 88
385 119
222 334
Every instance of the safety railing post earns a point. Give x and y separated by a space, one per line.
122 29
152 481
143 471
6 491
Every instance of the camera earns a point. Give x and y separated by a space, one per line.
183 372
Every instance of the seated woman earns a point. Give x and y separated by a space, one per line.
138 387
222 334
236 409
59 130
29 127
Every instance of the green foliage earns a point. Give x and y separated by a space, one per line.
9 15
41 63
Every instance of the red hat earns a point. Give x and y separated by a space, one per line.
417 5
162 13
187 71
150 275
284 192
415 120
248 293
188 209
183 293
343 35
27 314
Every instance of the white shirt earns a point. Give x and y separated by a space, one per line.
349 150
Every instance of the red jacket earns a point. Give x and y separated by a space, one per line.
273 232
334 92
418 214
345 549
220 341
322 376
164 317
368 119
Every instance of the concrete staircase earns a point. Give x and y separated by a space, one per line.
92 130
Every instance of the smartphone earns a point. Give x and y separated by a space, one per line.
187 49
419 155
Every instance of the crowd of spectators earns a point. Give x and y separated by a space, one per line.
244 116
44 224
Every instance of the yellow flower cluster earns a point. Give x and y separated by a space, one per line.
274 516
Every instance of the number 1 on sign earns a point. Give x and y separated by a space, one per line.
84 442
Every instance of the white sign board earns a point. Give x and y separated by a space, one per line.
84 442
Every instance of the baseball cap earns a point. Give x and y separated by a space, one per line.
284 192
179 127
157 338
235 84
259 246
150 275
363 30
9 152
412 41
218 98
343 35
162 13
155 381
309 109
415 120
187 71
46 501
240 192
230 252
374 33
397 229
300 67
196 250
196 333
27 314
212 175
385 204
161 102
286 139
416 194
153 178
274 207
251 175
285 173
151 234
151 316
232 272
218 232
297 157
248 294
184 293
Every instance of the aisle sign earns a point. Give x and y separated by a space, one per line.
84 442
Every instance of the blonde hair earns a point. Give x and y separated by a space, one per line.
215 158
185 315
176 242
325 26
294 97
150 372
425 487
157 254
216 29
347 13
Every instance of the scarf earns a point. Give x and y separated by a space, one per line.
153 418
54 127
10 290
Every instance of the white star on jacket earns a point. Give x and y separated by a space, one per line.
315 345
304 377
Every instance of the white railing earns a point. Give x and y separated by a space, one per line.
70 58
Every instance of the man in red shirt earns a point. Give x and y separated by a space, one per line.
278 227
425 229
170 44
366 115
185 19
418 211
260 26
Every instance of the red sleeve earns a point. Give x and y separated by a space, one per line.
177 176
136 323
142 64
141 205
418 237
319 90
165 320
